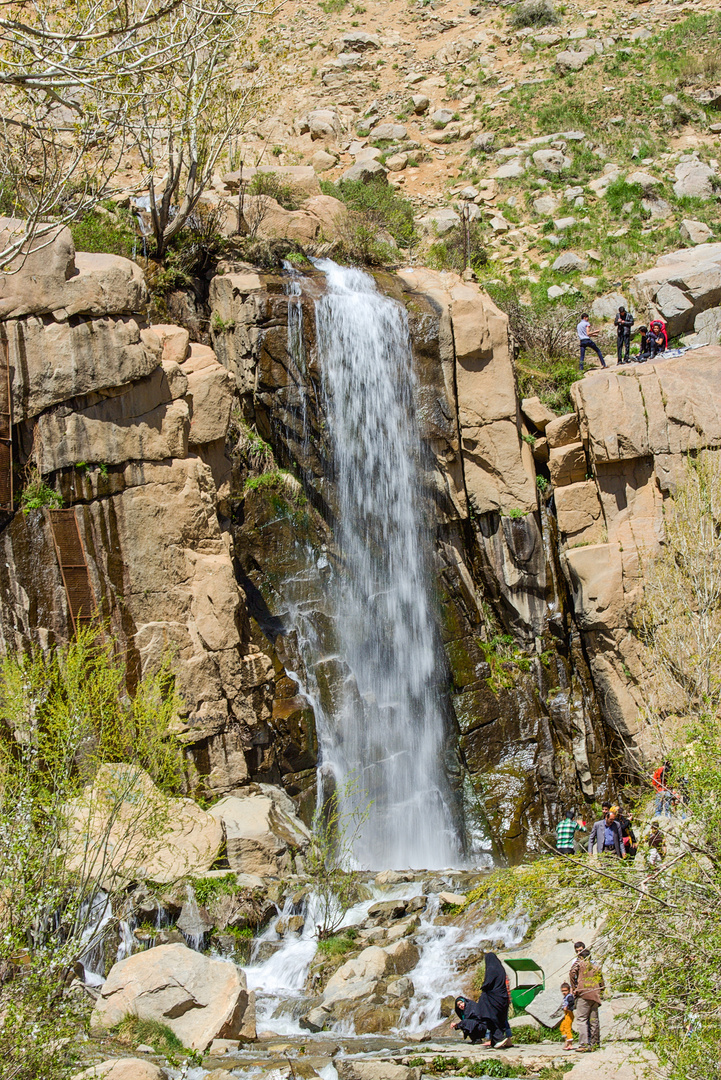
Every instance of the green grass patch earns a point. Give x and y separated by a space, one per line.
113 232
337 945
37 493
207 889
379 204
132 1031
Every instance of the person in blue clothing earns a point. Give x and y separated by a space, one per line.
585 336
606 835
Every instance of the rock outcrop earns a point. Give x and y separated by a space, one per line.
198 998
129 423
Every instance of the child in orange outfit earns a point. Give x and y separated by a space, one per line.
567 1005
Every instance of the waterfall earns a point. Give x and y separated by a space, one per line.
386 730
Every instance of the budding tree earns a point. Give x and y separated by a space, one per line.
83 84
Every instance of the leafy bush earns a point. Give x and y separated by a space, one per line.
452 252
249 447
379 206
331 7
270 184
63 715
278 480
535 13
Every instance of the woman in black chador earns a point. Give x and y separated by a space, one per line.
469 1020
493 1002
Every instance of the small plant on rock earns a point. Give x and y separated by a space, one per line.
336 827
37 493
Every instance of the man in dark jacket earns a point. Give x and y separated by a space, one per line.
606 835
623 323
587 986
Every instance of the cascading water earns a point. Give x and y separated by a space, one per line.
387 731
442 949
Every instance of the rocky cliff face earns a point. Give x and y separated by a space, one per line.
137 429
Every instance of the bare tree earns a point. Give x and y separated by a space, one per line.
77 83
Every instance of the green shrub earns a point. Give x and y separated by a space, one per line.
270 184
331 7
534 13
206 889
379 205
337 945
453 253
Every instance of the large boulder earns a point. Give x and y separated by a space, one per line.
359 978
262 831
198 998
122 828
682 284
149 422
694 180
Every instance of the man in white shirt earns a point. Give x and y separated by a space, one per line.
585 334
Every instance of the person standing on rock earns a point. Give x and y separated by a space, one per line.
585 335
566 833
494 1002
623 322
606 835
587 987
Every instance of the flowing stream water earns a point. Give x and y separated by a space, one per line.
383 737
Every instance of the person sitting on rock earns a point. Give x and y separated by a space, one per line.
470 1021
659 328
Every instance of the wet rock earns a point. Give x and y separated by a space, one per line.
129 1068
374 1070
387 909
199 999
456 899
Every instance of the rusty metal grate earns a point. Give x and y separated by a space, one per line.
6 433
73 566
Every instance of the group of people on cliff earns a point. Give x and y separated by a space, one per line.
612 834
653 338
486 1021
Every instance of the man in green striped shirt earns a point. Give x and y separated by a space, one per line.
565 833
